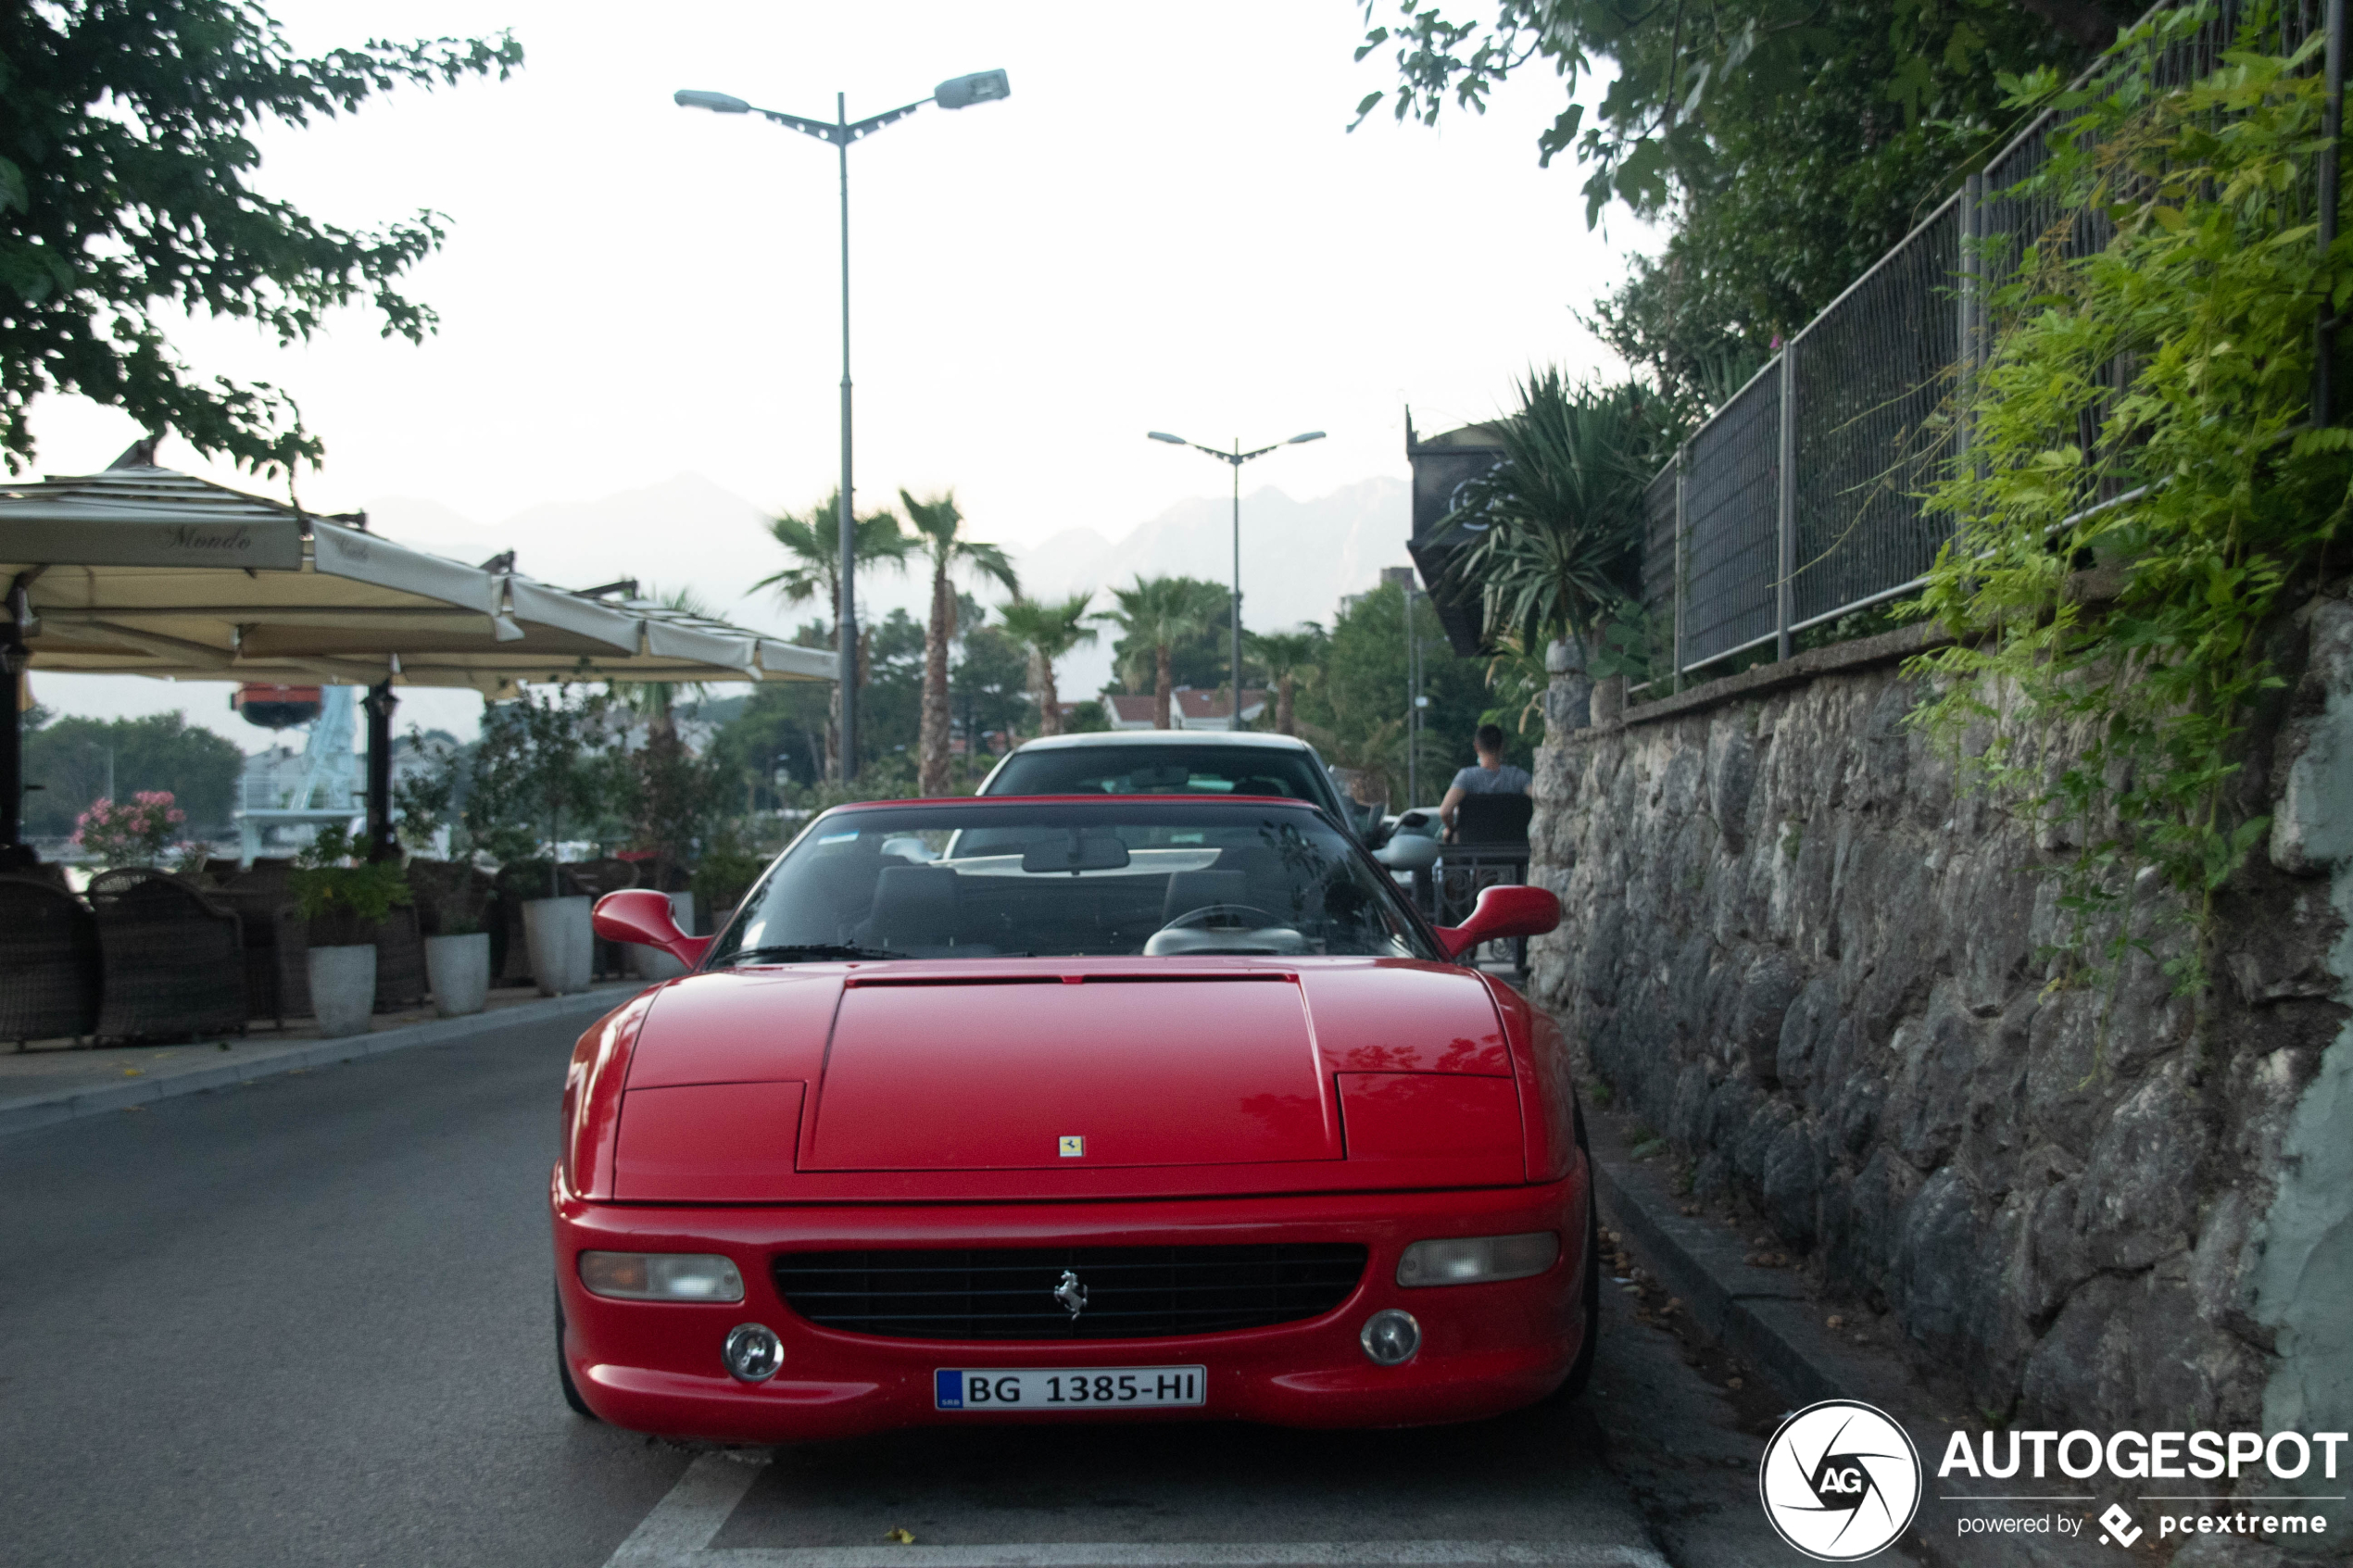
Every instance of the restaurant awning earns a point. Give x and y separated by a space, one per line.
144 570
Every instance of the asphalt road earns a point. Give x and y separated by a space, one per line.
304 1321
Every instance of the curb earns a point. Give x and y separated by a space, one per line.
1764 1316
1768 1321
31 1113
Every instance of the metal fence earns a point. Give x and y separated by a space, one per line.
1799 501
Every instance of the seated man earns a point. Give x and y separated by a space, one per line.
1490 776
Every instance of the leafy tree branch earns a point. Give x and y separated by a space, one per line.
126 161
2113 597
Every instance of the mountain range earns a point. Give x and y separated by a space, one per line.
1298 556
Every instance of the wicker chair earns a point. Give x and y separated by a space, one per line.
517 886
174 959
49 964
277 939
400 959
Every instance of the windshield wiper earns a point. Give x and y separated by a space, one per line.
808 952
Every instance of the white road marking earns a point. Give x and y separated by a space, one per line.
678 1534
682 1524
681 1529
1177 1554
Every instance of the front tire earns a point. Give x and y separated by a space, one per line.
563 1368
1580 1372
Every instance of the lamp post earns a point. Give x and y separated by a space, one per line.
960 93
1236 457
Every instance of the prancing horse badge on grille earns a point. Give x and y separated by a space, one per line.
1070 1293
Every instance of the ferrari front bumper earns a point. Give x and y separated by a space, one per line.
1488 1347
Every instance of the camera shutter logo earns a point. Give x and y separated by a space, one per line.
1840 1481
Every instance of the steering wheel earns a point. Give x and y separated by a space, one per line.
1225 928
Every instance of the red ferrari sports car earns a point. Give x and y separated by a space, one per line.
1058 1108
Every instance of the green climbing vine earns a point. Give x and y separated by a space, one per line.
2107 656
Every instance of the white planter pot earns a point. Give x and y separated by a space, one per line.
457 968
652 964
563 944
343 990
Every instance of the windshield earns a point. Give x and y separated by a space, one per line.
1162 770
1140 876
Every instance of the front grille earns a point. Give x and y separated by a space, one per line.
1008 1293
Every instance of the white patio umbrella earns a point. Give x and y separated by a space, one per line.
142 569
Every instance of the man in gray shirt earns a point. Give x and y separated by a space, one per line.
1491 776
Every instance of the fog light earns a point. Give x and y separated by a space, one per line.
1391 1336
1470 1260
660 1276
753 1352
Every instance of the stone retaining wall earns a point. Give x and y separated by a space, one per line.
1824 975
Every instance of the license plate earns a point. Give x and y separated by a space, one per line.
1067 1388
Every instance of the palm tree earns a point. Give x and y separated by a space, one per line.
937 521
1049 629
1562 514
653 700
1157 614
812 543
1290 658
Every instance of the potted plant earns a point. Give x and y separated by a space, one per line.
452 906
344 899
533 776
131 833
457 944
458 966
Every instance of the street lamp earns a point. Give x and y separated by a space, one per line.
1236 457
960 93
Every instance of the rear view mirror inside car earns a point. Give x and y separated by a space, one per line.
1074 852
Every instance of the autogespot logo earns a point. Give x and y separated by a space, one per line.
1840 1481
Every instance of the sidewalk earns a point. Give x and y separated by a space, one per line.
52 1081
1769 1321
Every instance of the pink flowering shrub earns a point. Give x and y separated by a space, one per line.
132 832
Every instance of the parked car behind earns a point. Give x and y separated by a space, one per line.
1222 762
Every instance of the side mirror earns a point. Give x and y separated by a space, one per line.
642 915
1501 912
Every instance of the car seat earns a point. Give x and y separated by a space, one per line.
918 911
1493 819
1188 891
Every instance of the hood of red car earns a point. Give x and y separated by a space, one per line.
946 1074
957 1081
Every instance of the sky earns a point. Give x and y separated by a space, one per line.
1168 226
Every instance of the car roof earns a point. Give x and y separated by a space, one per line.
1255 738
992 801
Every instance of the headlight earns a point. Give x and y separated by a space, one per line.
1478 1258
660 1276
